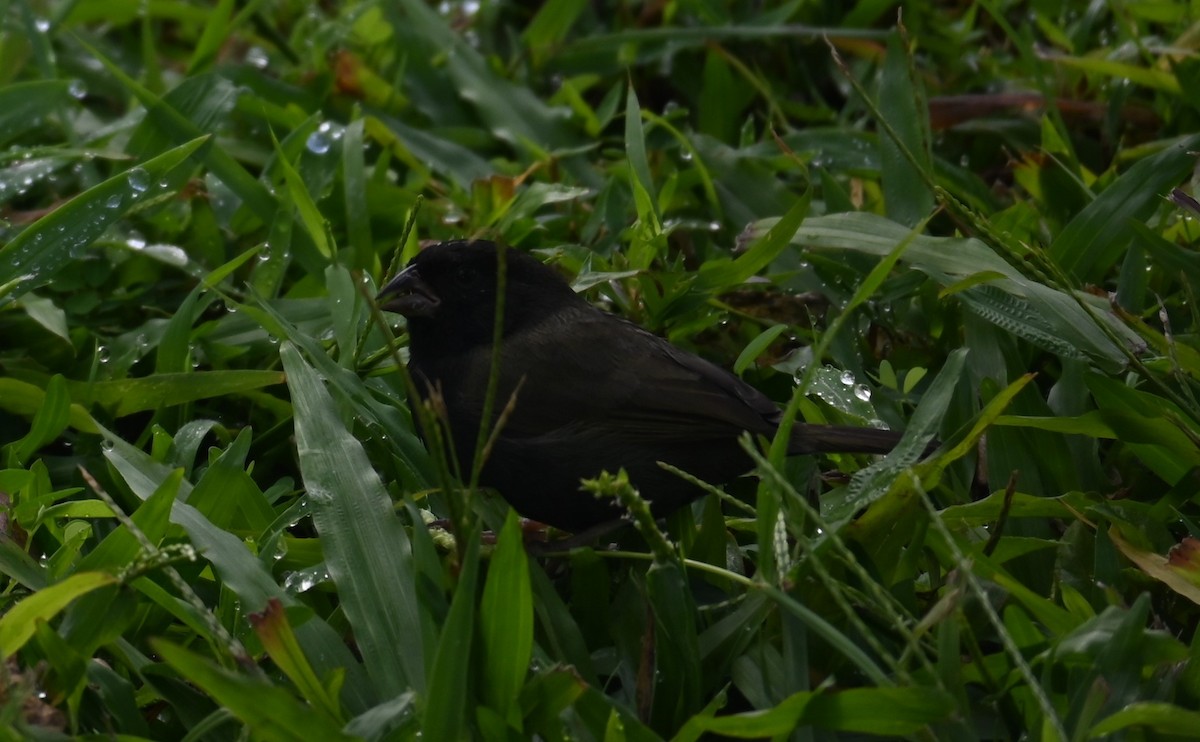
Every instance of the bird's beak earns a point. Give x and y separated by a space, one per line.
409 295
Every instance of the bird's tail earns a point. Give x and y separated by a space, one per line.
808 439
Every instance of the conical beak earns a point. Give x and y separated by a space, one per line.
409 295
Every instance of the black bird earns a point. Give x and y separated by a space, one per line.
599 392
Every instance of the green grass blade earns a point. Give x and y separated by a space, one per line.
449 701
18 624
1095 239
269 711
366 548
58 238
507 622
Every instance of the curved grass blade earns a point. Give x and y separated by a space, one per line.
61 236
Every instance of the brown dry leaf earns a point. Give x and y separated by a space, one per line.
1179 571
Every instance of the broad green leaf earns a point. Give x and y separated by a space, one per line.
354 189
177 122
648 42
242 573
24 105
216 31
67 663
506 616
44 248
226 491
424 150
906 161
20 622
449 690
1152 716
174 350
237 567
723 274
379 721
269 711
550 24
1155 430
1156 79
545 696
376 408
757 347
120 547
677 651
1182 577
117 695
882 711
47 314
366 548
277 637
21 567
512 113
127 396
205 101
302 201
1022 505
843 645
1060 320
647 240
635 148
22 398
1091 424
722 100
345 312
883 479
1098 235
51 419
775 722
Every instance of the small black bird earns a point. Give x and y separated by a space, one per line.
599 392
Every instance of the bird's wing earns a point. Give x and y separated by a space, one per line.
614 374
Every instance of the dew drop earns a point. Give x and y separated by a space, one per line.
318 143
862 392
114 201
257 57
139 179
77 89
847 378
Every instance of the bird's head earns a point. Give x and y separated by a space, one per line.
449 290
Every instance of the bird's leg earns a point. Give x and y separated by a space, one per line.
574 541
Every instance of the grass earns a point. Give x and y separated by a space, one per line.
977 225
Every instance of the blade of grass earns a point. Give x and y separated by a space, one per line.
366 548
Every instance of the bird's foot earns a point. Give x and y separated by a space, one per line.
588 537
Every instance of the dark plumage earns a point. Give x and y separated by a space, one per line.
600 393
